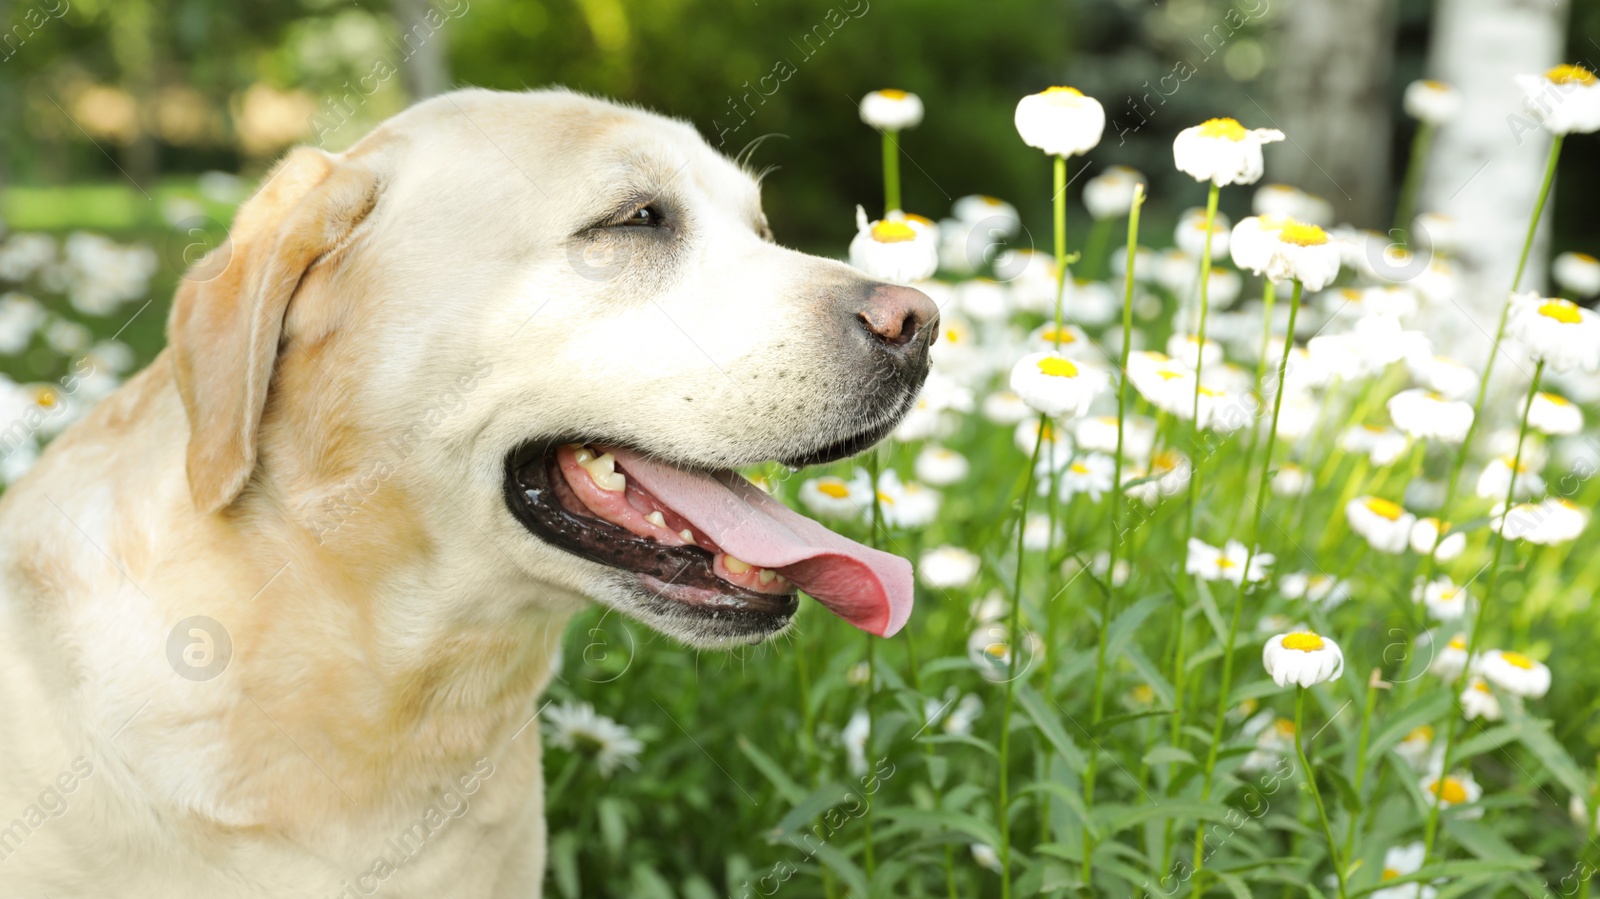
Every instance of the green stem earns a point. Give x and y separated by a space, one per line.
1116 518
891 172
1014 649
1361 756
1244 580
1474 636
1269 296
1413 182
1538 212
1311 783
1060 208
874 465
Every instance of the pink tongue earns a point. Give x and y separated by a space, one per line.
870 589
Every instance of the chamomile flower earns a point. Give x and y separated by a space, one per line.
1110 194
940 466
1496 479
1451 660
1399 861
1554 415
1055 385
1092 474
1005 407
836 498
1222 152
1515 673
1416 746
1227 563
1385 525
1254 240
1060 121
1316 588
1578 273
1426 415
1444 600
982 209
891 110
1452 789
1028 432
1550 522
905 505
1565 99
1478 701
1430 535
1448 378
1559 332
1191 233
1304 253
894 249
1186 348
576 727
1291 480
985 856
1433 102
984 300
1274 739
1068 340
948 567
1382 446
1167 475
854 737
1302 657
1099 434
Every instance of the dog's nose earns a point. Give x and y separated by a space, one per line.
896 316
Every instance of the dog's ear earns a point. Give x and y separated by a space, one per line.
225 331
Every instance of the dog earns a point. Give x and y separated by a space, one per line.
275 616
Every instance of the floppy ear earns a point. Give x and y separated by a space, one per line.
225 331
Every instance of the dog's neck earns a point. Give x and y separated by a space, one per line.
362 673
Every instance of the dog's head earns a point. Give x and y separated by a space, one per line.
540 330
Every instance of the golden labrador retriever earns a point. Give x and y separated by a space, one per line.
277 614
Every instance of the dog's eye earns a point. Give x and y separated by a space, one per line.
647 216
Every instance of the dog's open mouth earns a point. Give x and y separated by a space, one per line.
708 540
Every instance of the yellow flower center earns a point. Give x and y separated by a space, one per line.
893 232
1303 235
1385 508
1057 335
1517 660
1458 643
833 489
997 650
1166 460
1057 367
1585 258
1224 563
1207 391
1351 294
1420 733
1167 374
1448 595
1481 686
891 93
1305 641
1227 129
1560 310
1555 400
45 398
952 335
1284 727
1389 874
1450 790
885 498
1144 694
1437 85
1079 468
1570 74
1063 95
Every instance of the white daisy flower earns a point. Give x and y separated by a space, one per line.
1222 151
982 209
1291 480
1426 415
1110 194
1210 563
1005 407
1443 598
891 110
1578 273
948 567
1092 302
1399 861
1186 349
1069 340
1254 241
963 715
1055 385
1190 235
1433 102
1437 232
1092 474
905 505
1496 479
1478 701
1451 660
576 727
1452 789
1416 747
1303 658
940 466
834 497
1026 436
1565 99
1426 538
1283 200
1060 121
1167 475
984 300
1561 333
1314 587
1554 415
986 856
1448 378
1099 434
1304 253
20 317
1274 738
1383 446
1036 532
1385 525
1515 673
1549 522
894 249
854 738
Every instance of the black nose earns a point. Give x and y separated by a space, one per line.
900 318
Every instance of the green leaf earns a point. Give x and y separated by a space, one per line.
1536 737
840 864
774 774
564 864
1342 786
961 822
648 883
1127 623
612 813
805 811
1429 708
1044 718
1167 755
1121 817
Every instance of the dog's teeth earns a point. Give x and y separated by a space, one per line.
604 473
766 576
581 453
657 519
687 535
733 565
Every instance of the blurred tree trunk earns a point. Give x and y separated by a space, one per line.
425 65
1486 166
1333 95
